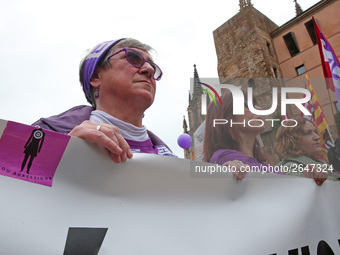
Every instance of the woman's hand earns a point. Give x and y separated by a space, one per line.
316 173
105 135
237 164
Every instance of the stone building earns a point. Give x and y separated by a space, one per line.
250 46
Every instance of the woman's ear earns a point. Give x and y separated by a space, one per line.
95 79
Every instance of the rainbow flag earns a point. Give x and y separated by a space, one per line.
320 120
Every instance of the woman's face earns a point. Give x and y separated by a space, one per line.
309 143
125 84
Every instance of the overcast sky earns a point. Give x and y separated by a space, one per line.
43 41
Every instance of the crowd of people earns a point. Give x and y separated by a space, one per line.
298 144
119 78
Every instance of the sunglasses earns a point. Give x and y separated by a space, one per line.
137 60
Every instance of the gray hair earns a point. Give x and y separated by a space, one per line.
129 43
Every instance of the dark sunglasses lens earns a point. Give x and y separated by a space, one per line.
135 58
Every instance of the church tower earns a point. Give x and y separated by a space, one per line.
194 114
195 104
244 46
245 49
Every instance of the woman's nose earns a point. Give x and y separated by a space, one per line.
316 136
147 69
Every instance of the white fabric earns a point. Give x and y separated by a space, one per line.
153 204
127 130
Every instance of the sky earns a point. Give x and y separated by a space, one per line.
43 41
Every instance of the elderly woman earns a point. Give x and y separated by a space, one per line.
300 150
233 145
119 81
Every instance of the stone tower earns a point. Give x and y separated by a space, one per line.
244 45
244 49
194 113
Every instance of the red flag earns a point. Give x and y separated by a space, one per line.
330 62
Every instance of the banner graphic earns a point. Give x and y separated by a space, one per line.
30 153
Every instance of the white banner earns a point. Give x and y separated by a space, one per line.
152 205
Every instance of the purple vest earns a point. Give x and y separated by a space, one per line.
224 155
66 121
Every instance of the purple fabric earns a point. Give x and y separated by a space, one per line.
144 147
66 121
91 62
223 155
148 147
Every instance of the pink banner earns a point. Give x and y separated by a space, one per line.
31 153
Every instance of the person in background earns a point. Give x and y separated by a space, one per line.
300 150
118 78
233 145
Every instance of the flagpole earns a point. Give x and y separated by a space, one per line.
333 114
330 134
328 56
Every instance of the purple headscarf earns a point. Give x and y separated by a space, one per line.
91 62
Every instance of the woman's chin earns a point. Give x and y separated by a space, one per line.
144 101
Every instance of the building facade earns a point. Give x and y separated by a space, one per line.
298 54
251 46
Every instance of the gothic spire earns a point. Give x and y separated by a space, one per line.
195 92
195 72
245 3
185 125
196 77
298 9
